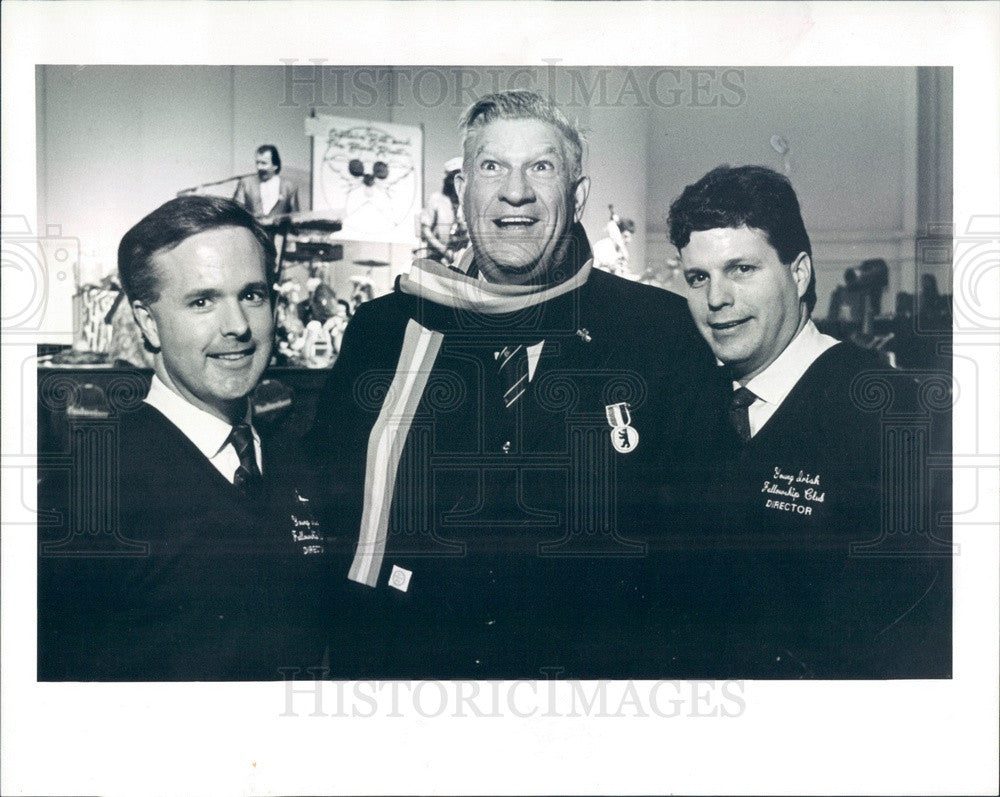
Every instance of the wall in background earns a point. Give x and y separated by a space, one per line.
851 134
114 141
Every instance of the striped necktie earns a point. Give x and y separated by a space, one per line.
512 362
739 411
248 476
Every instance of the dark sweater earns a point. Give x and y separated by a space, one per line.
198 583
815 587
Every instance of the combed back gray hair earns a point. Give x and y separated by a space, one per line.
521 104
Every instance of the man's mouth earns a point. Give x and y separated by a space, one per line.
513 222
723 326
233 356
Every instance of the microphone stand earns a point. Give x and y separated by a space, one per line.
197 188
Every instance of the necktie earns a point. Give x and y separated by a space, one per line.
247 477
512 361
739 411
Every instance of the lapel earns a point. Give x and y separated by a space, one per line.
567 354
255 195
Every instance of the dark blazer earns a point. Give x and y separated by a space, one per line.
817 586
198 583
528 536
248 195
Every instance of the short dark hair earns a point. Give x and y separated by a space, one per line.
171 224
750 196
275 157
520 104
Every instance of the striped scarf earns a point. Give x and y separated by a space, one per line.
434 282
431 281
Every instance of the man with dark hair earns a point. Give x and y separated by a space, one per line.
491 435
217 569
802 465
267 195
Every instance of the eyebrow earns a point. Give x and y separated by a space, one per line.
733 261
202 293
550 150
214 293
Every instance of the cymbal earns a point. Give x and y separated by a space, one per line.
371 263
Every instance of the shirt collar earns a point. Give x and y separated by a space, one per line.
208 433
777 380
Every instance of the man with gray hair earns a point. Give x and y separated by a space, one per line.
494 434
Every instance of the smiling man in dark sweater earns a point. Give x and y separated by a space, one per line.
216 569
801 469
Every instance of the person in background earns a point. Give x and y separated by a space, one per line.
267 195
611 253
441 225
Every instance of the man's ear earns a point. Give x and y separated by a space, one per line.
580 194
801 270
460 188
147 324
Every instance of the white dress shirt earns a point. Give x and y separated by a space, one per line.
269 191
774 383
209 434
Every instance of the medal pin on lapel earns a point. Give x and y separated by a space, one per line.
624 437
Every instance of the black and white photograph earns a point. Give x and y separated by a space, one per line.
515 405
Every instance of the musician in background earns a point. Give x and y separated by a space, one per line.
611 253
441 225
267 195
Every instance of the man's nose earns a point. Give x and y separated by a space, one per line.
720 294
233 320
517 188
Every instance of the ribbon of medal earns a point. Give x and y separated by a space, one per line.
624 436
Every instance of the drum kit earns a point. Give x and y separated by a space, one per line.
305 238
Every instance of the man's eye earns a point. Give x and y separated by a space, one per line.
200 303
745 268
254 296
694 279
488 166
543 166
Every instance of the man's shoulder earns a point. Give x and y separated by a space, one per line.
384 311
843 387
152 448
843 362
138 425
645 304
606 284
644 312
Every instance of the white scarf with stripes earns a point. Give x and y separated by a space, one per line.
433 282
430 280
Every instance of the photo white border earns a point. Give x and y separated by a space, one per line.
846 737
